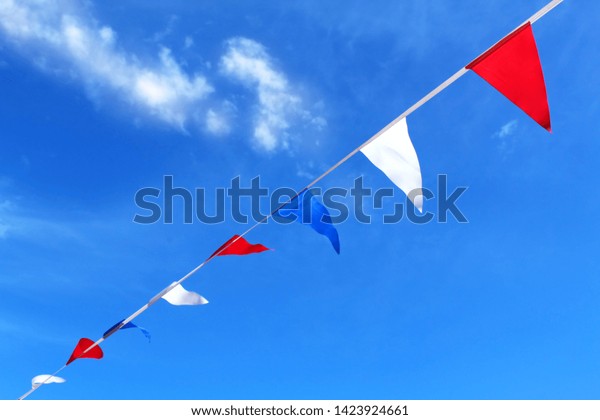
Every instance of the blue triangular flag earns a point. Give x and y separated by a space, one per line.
118 326
307 210
143 330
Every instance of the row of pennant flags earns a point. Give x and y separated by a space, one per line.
512 66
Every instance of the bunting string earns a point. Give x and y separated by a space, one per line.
237 245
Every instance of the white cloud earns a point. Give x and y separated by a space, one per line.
61 37
21 329
3 230
161 88
306 170
168 29
5 222
507 140
5 207
507 129
219 119
14 225
278 105
216 123
16 222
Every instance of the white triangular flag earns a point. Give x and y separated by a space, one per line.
46 379
393 153
179 296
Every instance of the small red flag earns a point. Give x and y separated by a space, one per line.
513 67
238 246
82 346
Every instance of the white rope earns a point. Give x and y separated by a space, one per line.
543 11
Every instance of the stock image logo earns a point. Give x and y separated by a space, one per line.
258 204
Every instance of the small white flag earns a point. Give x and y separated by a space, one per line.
179 296
394 154
46 379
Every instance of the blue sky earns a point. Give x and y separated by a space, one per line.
102 99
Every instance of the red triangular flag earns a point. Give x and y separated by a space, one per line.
238 246
513 67
82 346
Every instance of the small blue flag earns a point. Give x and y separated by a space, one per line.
116 327
142 330
307 210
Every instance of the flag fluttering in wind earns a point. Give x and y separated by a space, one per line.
513 67
394 154
81 353
46 379
239 246
306 209
179 296
118 326
142 330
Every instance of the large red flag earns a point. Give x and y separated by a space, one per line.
238 246
82 346
513 67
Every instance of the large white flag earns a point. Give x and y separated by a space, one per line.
46 379
393 153
179 296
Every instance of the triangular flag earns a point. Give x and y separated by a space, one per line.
46 379
119 326
142 330
513 67
239 246
394 154
81 353
179 296
308 211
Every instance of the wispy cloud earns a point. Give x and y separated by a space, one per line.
188 42
168 30
64 34
278 104
507 129
507 139
160 88
4 220
3 229
16 223
25 330
306 170
218 120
